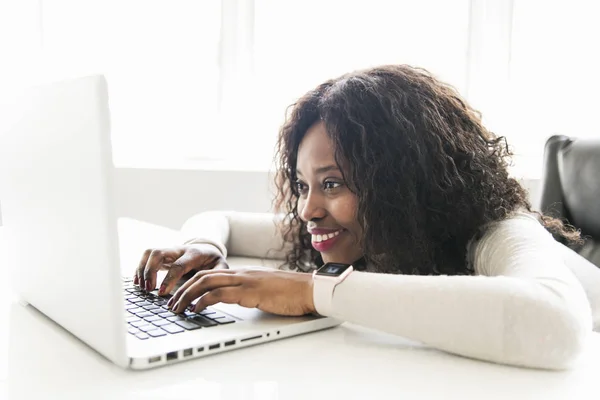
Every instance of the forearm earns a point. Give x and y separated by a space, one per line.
243 234
500 319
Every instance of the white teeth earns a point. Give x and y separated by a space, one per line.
321 238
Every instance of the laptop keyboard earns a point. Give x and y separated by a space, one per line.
147 315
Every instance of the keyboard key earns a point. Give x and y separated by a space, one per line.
216 316
156 333
225 320
144 314
187 324
167 314
136 300
172 328
204 322
153 318
160 302
157 311
143 303
189 314
207 312
147 327
133 290
141 335
139 323
150 307
135 310
132 319
160 322
129 306
175 318
133 331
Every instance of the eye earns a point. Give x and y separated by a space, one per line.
301 188
331 185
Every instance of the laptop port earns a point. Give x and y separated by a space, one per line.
251 338
172 356
188 352
214 346
200 349
230 343
154 359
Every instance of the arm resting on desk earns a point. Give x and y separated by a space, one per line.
527 309
238 233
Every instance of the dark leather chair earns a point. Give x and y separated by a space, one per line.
570 188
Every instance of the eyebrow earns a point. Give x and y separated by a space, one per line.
321 170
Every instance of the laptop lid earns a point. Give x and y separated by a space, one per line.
58 212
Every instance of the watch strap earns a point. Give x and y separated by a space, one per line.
323 290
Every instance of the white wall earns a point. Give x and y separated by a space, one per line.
169 197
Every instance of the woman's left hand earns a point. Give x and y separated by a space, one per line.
272 291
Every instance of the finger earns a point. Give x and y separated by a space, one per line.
139 272
178 269
193 280
229 295
155 263
205 284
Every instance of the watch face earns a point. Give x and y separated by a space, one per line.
333 269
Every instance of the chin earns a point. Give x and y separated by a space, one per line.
335 259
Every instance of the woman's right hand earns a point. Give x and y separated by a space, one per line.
178 261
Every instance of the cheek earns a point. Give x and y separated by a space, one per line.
345 212
300 207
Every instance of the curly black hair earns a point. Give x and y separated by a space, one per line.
427 174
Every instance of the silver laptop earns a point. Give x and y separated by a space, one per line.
56 184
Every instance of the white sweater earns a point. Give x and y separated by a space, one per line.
528 303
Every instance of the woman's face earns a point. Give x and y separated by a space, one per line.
326 204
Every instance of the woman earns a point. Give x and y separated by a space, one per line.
391 171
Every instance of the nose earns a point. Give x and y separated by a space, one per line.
311 207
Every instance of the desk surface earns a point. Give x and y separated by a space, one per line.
38 359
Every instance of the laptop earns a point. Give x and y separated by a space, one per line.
58 211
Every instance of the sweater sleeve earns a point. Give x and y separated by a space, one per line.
588 275
240 234
524 307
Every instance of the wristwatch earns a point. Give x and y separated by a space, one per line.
325 279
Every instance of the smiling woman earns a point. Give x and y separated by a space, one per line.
390 171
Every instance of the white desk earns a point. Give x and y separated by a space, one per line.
38 359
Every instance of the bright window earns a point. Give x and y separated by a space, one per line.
301 43
554 76
160 59
211 80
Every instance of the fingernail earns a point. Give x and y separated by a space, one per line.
135 280
148 287
162 289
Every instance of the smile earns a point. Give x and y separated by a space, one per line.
323 243
323 238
